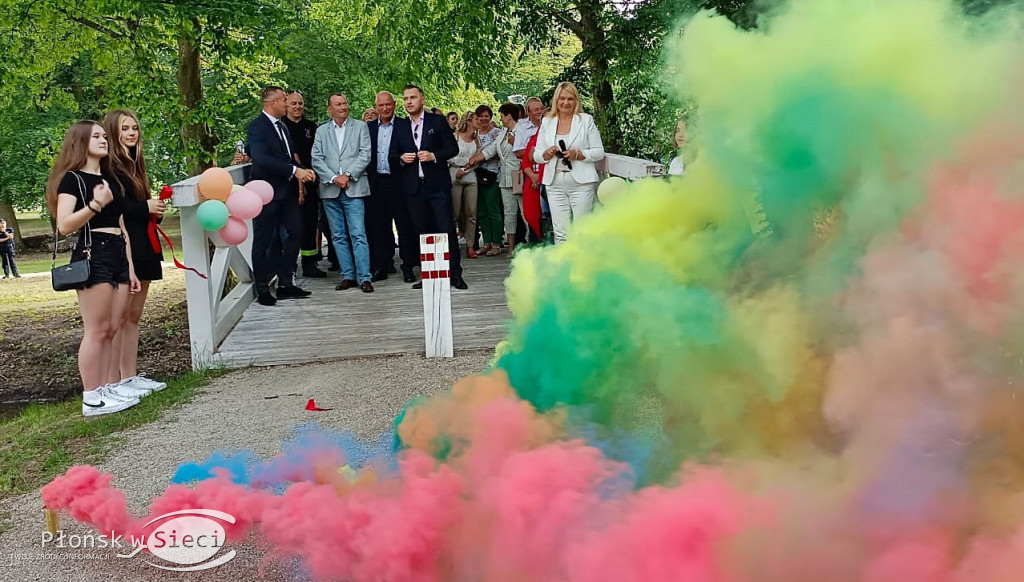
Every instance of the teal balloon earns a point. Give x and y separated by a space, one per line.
212 215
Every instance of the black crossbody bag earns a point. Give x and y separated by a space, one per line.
74 274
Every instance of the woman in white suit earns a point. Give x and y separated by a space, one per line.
569 138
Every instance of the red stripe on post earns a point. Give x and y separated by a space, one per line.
446 257
442 274
430 256
430 240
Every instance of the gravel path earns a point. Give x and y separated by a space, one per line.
233 412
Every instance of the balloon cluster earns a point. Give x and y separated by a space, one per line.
229 205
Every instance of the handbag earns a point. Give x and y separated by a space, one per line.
517 182
74 274
486 177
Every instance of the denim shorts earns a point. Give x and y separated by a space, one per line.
108 262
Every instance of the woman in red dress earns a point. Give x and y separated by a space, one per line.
532 176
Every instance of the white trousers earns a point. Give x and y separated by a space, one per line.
569 201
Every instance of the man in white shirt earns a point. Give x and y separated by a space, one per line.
527 128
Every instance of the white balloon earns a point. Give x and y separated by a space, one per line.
610 188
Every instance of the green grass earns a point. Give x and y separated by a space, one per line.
35 265
44 440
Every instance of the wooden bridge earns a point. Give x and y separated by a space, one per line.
231 329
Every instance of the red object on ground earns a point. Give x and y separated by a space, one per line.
311 405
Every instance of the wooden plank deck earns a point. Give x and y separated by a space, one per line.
343 324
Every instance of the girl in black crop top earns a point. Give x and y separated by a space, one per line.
81 196
110 214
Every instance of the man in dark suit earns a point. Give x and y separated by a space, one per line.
387 202
274 160
420 149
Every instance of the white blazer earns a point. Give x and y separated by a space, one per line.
583 136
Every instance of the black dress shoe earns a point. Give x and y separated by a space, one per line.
408 277
313 272
345 284
418 285
392 270
267 299
459 283
367 287
379 276
292 292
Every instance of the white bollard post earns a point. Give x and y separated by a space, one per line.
437 295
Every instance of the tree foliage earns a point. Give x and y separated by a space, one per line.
193 70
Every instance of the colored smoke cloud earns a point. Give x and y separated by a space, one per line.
798 363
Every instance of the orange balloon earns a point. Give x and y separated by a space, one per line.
215 184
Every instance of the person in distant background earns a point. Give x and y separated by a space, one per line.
453 119
7 250
369 114
675 167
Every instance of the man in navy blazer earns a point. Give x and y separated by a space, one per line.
274 160
387 202
420 149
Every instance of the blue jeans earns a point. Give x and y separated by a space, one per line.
348 221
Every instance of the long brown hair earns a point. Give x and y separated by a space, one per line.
74 153
122 163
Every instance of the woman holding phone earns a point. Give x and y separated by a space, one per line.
82 196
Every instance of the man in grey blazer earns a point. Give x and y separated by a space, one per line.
341 153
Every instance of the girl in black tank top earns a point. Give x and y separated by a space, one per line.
81 196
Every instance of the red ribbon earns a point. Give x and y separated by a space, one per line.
177 263
165 193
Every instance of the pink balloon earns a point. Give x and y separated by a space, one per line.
244 204
263 189
234 232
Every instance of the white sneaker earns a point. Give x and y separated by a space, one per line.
126 390
141 381
101 401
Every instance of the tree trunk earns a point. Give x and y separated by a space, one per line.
7 213
200 143
593 43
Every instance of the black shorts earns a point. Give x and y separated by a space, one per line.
109 259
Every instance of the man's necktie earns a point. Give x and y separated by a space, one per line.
284 140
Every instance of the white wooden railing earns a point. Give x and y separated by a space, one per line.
211 314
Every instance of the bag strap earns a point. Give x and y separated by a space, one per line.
88 229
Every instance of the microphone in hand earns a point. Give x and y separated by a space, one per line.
561 154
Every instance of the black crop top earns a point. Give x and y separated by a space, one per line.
111 214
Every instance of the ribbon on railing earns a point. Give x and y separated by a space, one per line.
165 194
